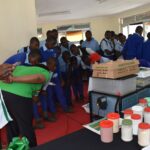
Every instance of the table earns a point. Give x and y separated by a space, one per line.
87 140
115 103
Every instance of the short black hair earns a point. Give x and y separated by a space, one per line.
35 53
112 33
106 32
48 32
65 53
148 35
42 66
88 31
55 30
63 38
138 28
51 59
51 39
34 39
120 34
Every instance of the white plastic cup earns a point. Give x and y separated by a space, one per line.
138 110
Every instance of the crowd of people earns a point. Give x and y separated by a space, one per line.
49 72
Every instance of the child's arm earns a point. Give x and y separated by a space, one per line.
37 78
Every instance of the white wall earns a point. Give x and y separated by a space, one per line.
17 25
98 25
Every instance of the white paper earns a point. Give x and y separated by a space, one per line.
3 119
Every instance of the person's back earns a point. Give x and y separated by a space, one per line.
134 44
24 89
146 49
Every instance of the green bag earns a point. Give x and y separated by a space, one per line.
19 144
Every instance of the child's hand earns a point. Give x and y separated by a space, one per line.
9 79
35 99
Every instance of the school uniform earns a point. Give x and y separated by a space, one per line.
93 44
106 44
146 50
63 49
54 92
24 50
22 58
48 101
64 72
77 83
119 46
133 47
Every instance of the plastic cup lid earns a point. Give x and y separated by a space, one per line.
127 122
136 116
144 126
128 112
143 101
106 124
113 115
137 108
147 109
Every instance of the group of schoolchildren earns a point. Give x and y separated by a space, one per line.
69 64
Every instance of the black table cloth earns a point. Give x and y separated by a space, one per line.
87 140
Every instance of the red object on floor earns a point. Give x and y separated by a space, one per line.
3 138
66 123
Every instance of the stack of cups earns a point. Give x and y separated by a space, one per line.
138 110
126 130
136 120
143 103
106 131
114 117
128 113
147 115
144 134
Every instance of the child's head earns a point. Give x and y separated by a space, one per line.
74 50
51 64
73 61
148 35
107 35
66 56
88 35
34 57
49 33
34 43
50 42
55 33
64 42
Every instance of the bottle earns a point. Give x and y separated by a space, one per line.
138 110
136 120
143 102
128 113
114 117
144 134
147 115
126 130
106 131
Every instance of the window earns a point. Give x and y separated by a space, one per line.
129 24
74 33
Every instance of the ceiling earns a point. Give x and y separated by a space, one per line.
57 10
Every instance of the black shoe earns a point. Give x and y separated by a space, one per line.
69 110
39 125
